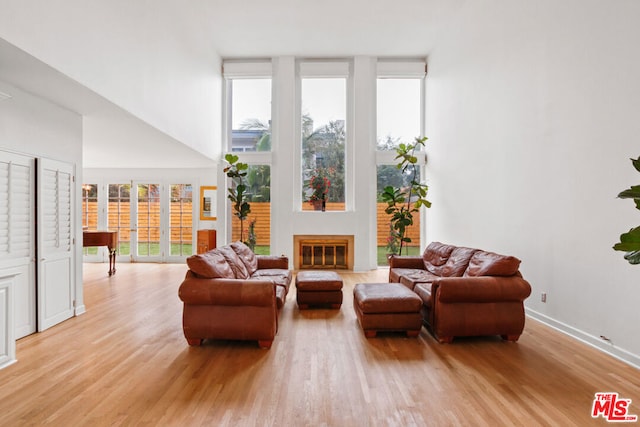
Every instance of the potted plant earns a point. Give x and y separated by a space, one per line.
630 241
393 241
252 237
237 171
319 184
402 203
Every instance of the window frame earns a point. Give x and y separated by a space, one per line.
388 69
325 68
238 70
413 69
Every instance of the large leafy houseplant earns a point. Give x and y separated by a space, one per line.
402 203
630 241
237 171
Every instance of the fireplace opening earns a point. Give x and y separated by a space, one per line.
323 255
323 252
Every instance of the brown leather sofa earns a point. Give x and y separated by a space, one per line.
231 293
465 291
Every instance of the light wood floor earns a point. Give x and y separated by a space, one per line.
126 362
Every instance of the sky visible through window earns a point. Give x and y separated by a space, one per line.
398 104
398 109
251 100
324 100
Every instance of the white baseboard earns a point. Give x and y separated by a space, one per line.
81 309
593 341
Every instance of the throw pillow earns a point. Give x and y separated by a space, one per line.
491 264
239 270
246 255
458 262
210 265
435 256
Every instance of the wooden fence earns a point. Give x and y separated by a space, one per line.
261 213
149 225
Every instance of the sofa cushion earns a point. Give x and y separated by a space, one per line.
210 265
279 276
236 264
435 257
458 262
246 255
411 277
491 264
423 290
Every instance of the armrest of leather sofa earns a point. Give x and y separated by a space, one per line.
480 289
228 292
406 261
272 262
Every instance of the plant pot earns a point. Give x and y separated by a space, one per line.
317 205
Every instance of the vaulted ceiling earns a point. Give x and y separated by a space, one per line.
88 57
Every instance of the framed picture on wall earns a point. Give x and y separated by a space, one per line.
208 203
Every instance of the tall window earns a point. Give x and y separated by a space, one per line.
181 220
323 135
148 219
89 212
257 226
250 114
89 206
399 111
248 95
119 212
248 100
400 118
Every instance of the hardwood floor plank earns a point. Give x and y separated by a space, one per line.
126 362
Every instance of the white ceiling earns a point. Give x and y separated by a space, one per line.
114 128
323 28
231 29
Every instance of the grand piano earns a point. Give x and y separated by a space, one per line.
103 238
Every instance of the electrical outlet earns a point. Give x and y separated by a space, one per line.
543 297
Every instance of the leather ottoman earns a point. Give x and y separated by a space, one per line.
387 307
318 288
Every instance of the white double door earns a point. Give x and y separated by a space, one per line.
55 233
41 247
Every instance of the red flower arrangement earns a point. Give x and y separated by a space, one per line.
319 184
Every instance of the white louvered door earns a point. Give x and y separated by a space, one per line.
55 233
17 238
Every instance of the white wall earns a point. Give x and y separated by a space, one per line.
115 138
532 118
144 58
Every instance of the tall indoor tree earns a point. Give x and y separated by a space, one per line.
630 241
237 171
403 202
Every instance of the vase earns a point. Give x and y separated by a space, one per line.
317 205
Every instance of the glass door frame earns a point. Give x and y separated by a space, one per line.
135 223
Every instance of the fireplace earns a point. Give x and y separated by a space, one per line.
323 252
